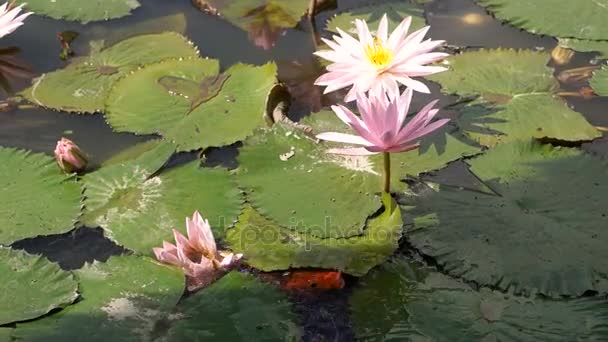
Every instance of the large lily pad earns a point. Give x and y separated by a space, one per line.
138 209
35 197
83 85
586 19
270 247
82 11
122 300
400 301
516 98
289 177
396 12
545 231
190 103
31 286
599 82
238 307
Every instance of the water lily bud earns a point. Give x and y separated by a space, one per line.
69 157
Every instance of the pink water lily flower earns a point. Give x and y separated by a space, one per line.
382 126
69 157
379 63
197 254
9 19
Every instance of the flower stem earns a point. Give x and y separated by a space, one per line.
387 172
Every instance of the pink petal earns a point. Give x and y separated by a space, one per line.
382 32
399 33
415 85
361 151
426 130
343 138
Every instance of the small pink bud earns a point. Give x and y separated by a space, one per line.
69 157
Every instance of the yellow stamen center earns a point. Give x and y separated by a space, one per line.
378 54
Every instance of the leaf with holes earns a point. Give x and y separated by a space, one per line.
83 85
31 286
544 231
238 307
138 208
516 98
269 247
190 103
82 11
395 11
122 299
599 82
548 17
35 197
402 301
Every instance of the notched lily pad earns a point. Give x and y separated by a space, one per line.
31 286
544 232
402 301
548 17
83 85
137 207
82 11
35 197
269 247
122 299
515 98
237 307
190 103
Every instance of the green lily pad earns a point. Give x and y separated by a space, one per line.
188 102
35 197
138 208
269 247
31 286
516 98
289 178
599 82
600 46
82 11
238 307
436 150
6 334
122 300
544 231
83 85
395 11
400 301
586 19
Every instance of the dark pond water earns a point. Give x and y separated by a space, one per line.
460 22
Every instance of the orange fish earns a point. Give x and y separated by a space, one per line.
314 279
